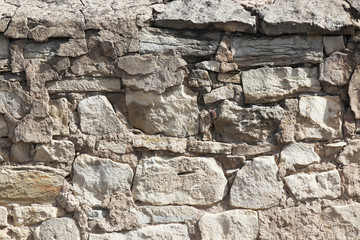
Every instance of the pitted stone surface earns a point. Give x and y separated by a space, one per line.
57 228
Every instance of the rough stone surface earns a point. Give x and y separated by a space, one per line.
298 155
350 153
34 214
209 147
57 228
319 118
351 178
256 185
84 85
213 66
21 152
167 214
337 69
229 78
354 92
158 143
175 113
315 185
95 177
115 147
199 78
273 84
97 116
33 129
333 44
252 150
233 224
222 93
180 180
3 217
61 151
285 50
59 112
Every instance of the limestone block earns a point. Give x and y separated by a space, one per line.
21 152
59 112
298 155
7 10
354 92
4 47
222 93
209 147
333 44
29 215
45 51
34 129
252 150
211 65
60 151
84 85
159 143
73 48
350 153
351 178
57 228
167 214
199 78
115 147
337 69
3 217
229 78
3 127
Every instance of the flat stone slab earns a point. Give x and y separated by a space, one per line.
84 85
298 155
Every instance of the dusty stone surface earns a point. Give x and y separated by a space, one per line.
298 155
213 66
190 181
319 118
167 214
333 148
333 44
315 185
256 185
55 151
4 47
84 85
62 228
95 177
351 178
199 78
350 153
231 224
175 113
252 150
21 152
3 217
209 147
59 112
30 215
158 143
354 92
222 93
272 84
229 78
337 69
115 147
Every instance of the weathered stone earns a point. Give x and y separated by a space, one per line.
350 153
264 85
4 47
167 214
84 85
21 152
229 78
223 53
199 78
179 180
218 94
28 184
315 185
351 179
29 215
11 78
213 66
18 62
73 48
203 14
256 185
17 233
333 148
233 224
298 155
319 118
153 72
209 147
5 65
253 124
4 130
159 232
97 116
333 44
158 143
228 67
96 66
95 177
349 124
306 17
60 151
45 51
174 113
7 10
57 228
59 112
115 147
34 129
354 92
337 69
285 50
3 217
231 162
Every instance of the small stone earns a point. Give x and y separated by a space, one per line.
18 233
349 125
84 85
209 147
218 94
333 44
4 47
213 66
337 69
228 67
179 180
57 228
256 185
115 147
315 185
298 155
3 127
158 143
21 152
350 153
334 148
230 162
60 151
229 78
233 224
34 129
223 53
167 214
3 217
29 215
354 92
199 78
351 178
59 112
73 48
97 116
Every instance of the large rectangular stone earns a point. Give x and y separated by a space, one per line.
84 85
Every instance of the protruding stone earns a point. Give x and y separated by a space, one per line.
337 69
319 118
158 143
209 147
351 178
228 67
30 215
174 113
73 48
95 177
253 150
223 53
3 217
264 85
199 78
315 185
21 152
97 116
167 214
350 153
354 92
233 224
59 112
179 180
222 93
333 148
57 228
298 155
84 85
213 66
115 147
256 185
333 44
59 151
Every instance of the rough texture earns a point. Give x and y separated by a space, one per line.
57 228
350 153
55 151
35 214
298 155
354 86
167 214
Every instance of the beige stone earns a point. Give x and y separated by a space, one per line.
351 179
57 228
222 93
84 85
3 217
34 129
337 69
21 152
212 65
159 143
333 148
252 150
199 78
354 92
298 155
350 153
59 112
209 147
60 151
229 78
29 215
228 67
115 147
167 214
223 53
73 48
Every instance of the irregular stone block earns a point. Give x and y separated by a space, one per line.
351 178
209 147
265 85
229 78
174 113
115 147
153 72
213 66
256 185
61 228
228 67
73 48
7 10
84 85
354 92
21 152
158 143
29 215
3 217
253 124
179 180
252 150
199 78
315 185
97 116
59 112
320 118
333 44
333 148
298 155
158 232
202 14
28 184
34 129
222 93
60 151
41 50
307 17
4 47
284 50
350 153
4 130
95 177
233 224
167 214
337 69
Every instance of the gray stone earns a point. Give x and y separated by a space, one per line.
179 180
167 214
264 85
84 85
159 143
57 228
284 50
209 147
199 78
354 92
232 224
174 113
337 69
21 152
4 47
256 185
59 151
30 215
4 130
350 153
7 10
315 185
228 67
306 17
222 93
333 44
298 155
225 14
97 116
41 50
95 177
333 148
213 66
73 48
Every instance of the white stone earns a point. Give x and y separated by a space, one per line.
167 214
315 185
3 217
97 116
212 65
57 228
266 84
350 153
179 180
29 215
95 177
298 155
84 85
209 147
333 44
218 94
229 225
61 151
159 143
256 185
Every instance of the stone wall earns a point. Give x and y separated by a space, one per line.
183 119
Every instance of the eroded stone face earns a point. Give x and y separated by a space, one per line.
180 180
62 228
298 155
350 153
29 215
351 178
158 143
60 151
4 47
337 69
354 92
84 85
